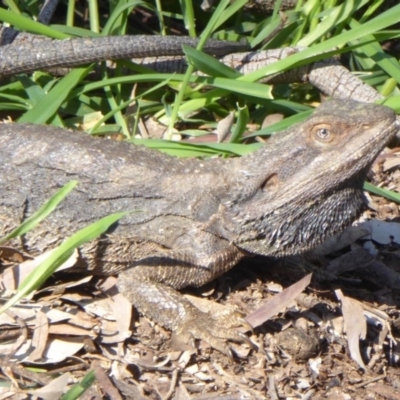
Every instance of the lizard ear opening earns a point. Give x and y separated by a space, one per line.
271 184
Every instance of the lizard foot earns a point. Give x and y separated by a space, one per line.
171 309
215 324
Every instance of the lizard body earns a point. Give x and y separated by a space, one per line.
196 218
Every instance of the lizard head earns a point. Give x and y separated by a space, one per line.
306 183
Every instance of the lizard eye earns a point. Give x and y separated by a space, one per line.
323 133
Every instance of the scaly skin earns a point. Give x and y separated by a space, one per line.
196 218
36 52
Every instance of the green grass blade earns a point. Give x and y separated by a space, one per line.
209 65
78 389
188 16
331 19
119 10
282 125
240 126
70 13
32 89
238 86
48 106
180 149
388 194
392 102
220 14
384 20
11 4
374 51
126 104
94 16
61 254
42 213
26 24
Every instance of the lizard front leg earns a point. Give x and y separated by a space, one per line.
154 265
170 309
150 282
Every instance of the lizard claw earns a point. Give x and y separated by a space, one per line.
247 326
246 340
